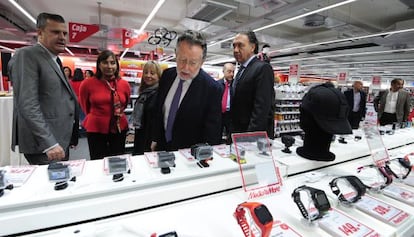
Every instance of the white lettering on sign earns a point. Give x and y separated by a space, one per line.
79 28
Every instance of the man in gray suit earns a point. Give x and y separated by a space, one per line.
393 105
45 108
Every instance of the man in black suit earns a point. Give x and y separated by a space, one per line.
225 83
252 106
356 99
189 100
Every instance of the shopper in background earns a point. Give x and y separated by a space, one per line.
88 74
103 99
356 99
252 107
144 108
264 55
228 71
68 72
75 82
189 100
393 105
45 108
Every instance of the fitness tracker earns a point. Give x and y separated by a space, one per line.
202 151
384 173
263 145
263 219
400 168
118 166
165 161
355 182
319 199
60 174
4 182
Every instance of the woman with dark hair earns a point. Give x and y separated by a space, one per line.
68 72
75 82
144 107
104 98
88 74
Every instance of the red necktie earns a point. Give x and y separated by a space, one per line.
224 99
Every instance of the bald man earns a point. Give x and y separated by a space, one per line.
225 83
356 98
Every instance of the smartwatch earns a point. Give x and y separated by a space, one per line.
202 152
319 199
261 216
395 166
355 182
382 170
4 182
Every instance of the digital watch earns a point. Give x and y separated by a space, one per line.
384 173
355 182
402 163
118 166
4 182
261 216
202 152
319 199
165 161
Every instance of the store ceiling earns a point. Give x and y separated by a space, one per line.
323 44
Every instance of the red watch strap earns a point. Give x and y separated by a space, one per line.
241 220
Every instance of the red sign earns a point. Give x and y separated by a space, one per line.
293 69
342 76
79 31
376 80
131 37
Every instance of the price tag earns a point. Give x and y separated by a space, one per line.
222 150
382 211
338 224
18 175
152 159
76 166
283 230
400 194
187 154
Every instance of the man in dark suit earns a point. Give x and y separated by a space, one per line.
225 83
252 107
45 110
189 100
356 99
393 105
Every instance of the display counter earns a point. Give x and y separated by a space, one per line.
36 206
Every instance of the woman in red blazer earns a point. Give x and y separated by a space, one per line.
104 98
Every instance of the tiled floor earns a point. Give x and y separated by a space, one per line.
81 151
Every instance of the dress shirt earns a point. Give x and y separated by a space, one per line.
357 100
170 95
391 102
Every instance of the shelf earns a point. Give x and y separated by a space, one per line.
288 121
128 110
288 106
134 96
287 98
288 112
289 131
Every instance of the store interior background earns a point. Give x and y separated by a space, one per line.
362 38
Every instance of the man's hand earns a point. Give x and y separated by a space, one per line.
153 146
56 153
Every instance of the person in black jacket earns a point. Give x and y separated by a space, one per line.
356 99
252 106
144 107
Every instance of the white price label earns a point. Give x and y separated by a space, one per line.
152 159
382 211
222 149
187 154
76 166
18 175
400 194
283 230
338 224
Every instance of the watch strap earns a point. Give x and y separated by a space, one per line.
240 215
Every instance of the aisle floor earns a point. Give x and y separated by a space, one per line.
81 151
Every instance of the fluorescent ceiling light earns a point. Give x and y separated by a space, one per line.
344 40
146 22
22 10
343 55
68 50
221 60
290 19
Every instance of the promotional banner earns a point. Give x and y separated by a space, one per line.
80 31
130 37
294 73
342 78
376 82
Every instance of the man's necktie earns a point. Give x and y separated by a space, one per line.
225 96
60 65
173 111
238 76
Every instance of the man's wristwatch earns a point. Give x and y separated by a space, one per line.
261 216
319 199
355 182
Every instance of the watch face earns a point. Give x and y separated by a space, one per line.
2 179
321 201
263 214
60 174
117 165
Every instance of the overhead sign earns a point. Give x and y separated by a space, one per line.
130 37
342 77
80 31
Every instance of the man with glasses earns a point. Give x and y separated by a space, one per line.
189 100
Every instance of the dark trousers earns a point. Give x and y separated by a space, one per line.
225 128
387 118
354 118
102 145
41 158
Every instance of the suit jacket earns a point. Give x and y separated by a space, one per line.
252 107
349 95
222 84
45 108
198 119
402 108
